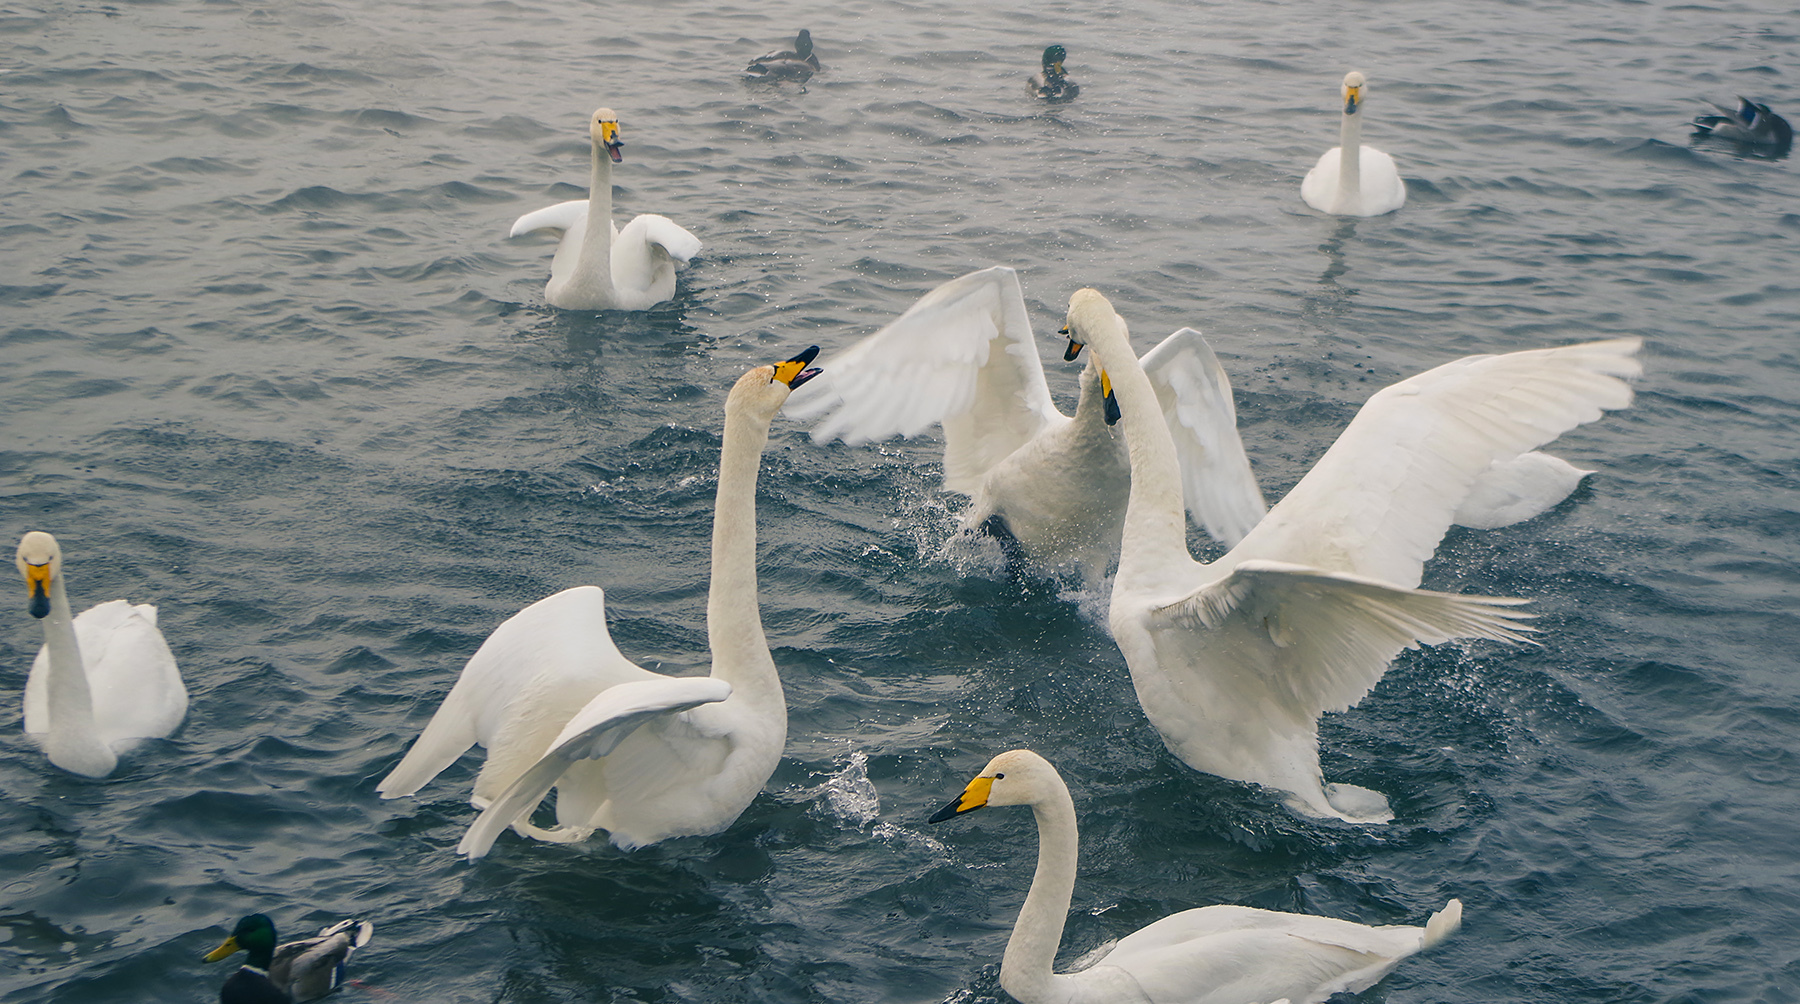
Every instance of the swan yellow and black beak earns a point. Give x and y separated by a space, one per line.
975 796
1112 403
609 138
230 946
1075 347
794 371
37 579
1352 98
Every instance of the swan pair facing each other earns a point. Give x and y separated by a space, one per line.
297 971
102 681
1212 955
1352 179
638 754
598 266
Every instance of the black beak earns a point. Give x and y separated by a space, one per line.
40 602
804 374
1112 410
949 810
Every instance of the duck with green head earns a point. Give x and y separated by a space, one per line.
297 971
1051 83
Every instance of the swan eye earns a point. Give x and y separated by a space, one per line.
998 776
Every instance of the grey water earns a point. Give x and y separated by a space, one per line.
271 363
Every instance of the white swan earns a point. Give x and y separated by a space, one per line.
1352 179
1235 661
640 755
964 357
102 680
1212 955
598 266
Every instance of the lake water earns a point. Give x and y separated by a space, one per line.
272 364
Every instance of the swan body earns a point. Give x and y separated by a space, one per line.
1352 179
797 64
1051 83
296 971
964 357
1211 955
1235 660
640 755
1750 124
103 680
598 266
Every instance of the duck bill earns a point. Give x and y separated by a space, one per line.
37 579
1112 403
229 947
794 372
975 796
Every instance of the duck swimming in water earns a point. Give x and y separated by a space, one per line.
798 65
1751 125
1051 84
297 971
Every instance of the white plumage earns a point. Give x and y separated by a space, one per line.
1352 179
642 756
1235 661
1210 955
102 680
598 266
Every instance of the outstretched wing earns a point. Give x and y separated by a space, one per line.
595 731
1379 500
556 648
962 357
1307 641
667 234
562 216
1195 395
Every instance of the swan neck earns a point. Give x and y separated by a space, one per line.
1027 969
596 243
1350 154
67 699
733 621
1155 521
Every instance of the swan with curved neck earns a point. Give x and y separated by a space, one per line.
598 266
1234 661
643 756
1352 179
1210 955
102 680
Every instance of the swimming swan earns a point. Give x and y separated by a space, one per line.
964 357
1212 955
1352 179
301 970
598 266
102 680
1234 661
640 755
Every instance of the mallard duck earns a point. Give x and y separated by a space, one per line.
297 971
1051 84
1209 955
1751 125
798 64
103 680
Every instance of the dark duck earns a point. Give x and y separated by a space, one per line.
1752 126
797 64
297 971
1051 84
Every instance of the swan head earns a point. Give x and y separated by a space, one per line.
604 128
40 562
803 44
766 388
1354 85
1095 309
1016 777
254 934
1053 60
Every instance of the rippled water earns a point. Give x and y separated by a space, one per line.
272 364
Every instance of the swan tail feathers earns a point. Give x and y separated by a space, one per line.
1443 923
561 216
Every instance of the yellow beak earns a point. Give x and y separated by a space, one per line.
222 951
973 797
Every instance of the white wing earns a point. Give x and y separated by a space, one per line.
137 688
669 235
1512 491
1195 395
562 216
595 731
1309 641
1380 499
557 646
962 357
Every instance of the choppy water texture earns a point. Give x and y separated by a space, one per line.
271 363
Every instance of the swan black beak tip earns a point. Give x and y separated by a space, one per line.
1074 350
947 811
40 604
798 368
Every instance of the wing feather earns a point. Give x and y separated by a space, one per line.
561 216
1195 395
